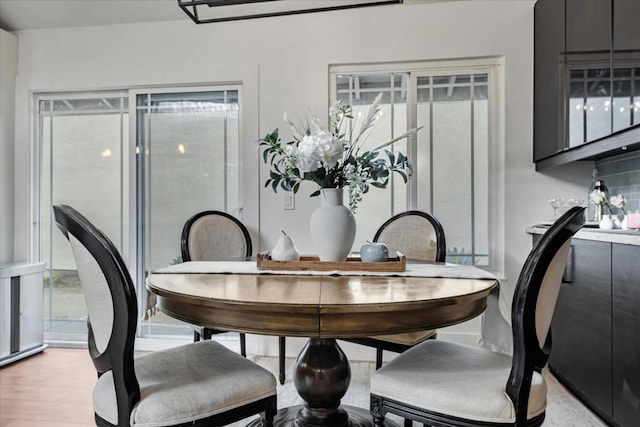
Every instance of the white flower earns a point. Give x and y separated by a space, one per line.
320 149
618 201
598 197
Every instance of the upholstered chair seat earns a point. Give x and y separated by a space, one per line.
457 380
236 381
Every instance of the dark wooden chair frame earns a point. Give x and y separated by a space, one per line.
206 333
441 255
527 355
118 357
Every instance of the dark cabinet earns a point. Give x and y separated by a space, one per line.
626 36
548 74
588 25
595 339
581 328
587 52
626 64
626 336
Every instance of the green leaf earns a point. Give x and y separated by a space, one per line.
391 156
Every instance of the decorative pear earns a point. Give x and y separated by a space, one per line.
285 249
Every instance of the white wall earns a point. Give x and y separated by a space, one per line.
283 65
8 65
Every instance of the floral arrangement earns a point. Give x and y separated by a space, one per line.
333 157
618 201
599 197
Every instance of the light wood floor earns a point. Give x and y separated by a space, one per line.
50 389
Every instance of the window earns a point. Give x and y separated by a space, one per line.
451 156
184 158
82 140
187 161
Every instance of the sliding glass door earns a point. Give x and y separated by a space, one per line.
187 162
183 158
82 145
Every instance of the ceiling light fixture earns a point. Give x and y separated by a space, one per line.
207 11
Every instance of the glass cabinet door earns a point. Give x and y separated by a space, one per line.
626 64
588 59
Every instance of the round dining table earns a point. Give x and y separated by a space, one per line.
321 308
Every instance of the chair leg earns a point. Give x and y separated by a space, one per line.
196 336
243 345
376 409
269 414
281 357
378 358
378 421
408 423
206 334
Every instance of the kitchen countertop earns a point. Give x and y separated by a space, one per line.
624 237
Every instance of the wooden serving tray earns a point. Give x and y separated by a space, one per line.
354 263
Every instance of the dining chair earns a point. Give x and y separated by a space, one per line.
199 384
214 236
448 384
419 236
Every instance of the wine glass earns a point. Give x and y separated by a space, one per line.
555 204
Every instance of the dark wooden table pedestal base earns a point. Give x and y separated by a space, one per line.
322 377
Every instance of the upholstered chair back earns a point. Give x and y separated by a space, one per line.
416 234
548 295
213 236
96 294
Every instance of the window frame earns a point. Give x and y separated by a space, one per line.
494 68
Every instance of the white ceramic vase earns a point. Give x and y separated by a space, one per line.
606 223
332 226
616 221
623 224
